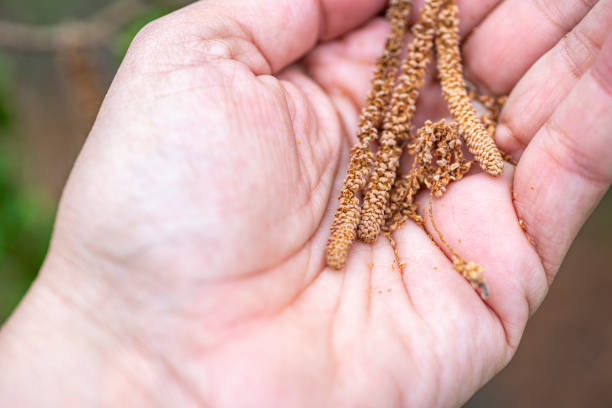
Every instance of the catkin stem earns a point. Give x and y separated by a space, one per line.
471 271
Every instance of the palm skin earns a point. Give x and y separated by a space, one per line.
200 209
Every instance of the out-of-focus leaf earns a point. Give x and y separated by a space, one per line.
25 228
25 218
5 75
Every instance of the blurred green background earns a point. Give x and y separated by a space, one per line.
565 359
25 214
42 129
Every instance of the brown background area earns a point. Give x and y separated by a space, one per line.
565 358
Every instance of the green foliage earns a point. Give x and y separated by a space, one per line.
25 219
4 85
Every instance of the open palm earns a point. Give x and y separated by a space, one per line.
201 205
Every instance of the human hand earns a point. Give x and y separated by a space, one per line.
187 264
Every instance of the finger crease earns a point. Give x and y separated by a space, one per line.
572 159
514 134
578 50
603 81
554 17
248 35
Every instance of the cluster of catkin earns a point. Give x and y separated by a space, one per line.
376 198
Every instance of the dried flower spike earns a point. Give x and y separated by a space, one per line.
436 148
480 144
345 223
397 122
490 119
438 161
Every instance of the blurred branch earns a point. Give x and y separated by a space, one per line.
75 45
92 32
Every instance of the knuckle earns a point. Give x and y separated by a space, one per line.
578 52
148 35
570 155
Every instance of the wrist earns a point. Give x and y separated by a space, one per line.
56 349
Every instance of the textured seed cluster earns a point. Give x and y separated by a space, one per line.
397 121
389 197
479 142
343 230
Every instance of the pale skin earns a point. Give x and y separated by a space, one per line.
187 263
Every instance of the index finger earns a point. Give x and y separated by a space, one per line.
268 35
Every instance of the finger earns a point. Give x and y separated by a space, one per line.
550 80
567 167
421 291
515 35
266 35
477 219
344 67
